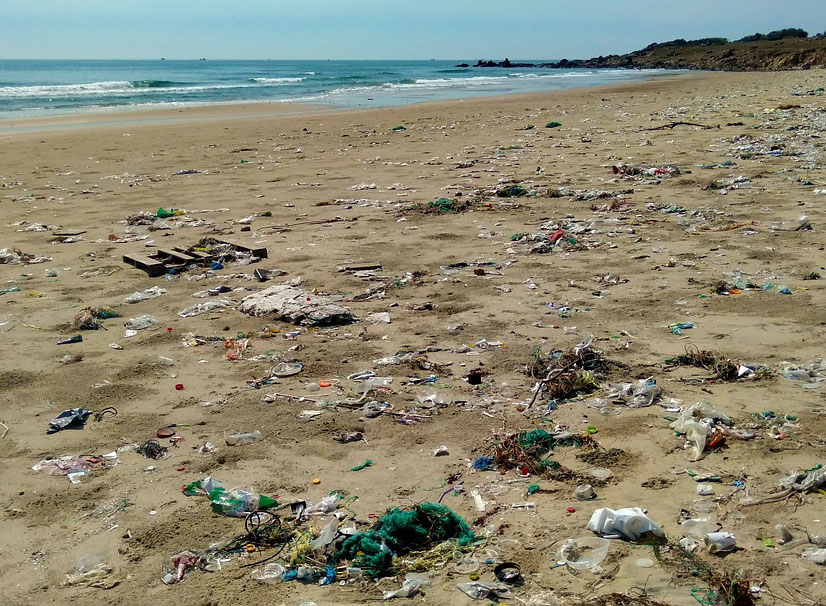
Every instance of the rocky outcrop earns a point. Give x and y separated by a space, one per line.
706 54
505 63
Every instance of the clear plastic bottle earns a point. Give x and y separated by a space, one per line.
698 528
243 437
238 502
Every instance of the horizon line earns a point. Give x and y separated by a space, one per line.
248 59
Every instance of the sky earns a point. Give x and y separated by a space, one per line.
379 29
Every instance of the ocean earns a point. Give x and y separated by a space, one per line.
46 88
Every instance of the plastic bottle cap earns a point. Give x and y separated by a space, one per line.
179 386
324 383
316 481
570 509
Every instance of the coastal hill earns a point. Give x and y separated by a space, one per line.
780 50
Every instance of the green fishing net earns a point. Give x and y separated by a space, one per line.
442 204
402 531
537 437
545 441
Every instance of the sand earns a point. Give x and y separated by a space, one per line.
343 181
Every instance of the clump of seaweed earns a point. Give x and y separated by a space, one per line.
619 599
566 374
724 588
724 368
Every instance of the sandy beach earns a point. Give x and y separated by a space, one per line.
477 283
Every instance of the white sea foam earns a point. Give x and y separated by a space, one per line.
67 90
276 80
120 88
558 74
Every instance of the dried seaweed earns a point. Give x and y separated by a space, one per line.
528 450
723 588
566 374
723 367
618 599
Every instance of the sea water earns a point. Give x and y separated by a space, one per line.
42 88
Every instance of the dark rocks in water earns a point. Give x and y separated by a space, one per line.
461 65
505 63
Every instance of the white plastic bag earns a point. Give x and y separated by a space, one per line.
202 308
412 584
141 322
326 536
696 422
143 295
479 591
326 505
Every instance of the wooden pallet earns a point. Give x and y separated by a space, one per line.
176 257
151 266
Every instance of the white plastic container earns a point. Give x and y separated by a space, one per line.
271 573
629 523
585 553
717 542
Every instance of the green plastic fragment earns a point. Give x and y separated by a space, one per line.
512 191
364 465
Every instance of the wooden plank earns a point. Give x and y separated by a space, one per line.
178 256
359 266
202 256
69 232
153 267
260 252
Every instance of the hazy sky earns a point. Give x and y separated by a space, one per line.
378 29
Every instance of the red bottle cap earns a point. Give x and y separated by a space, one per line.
179 386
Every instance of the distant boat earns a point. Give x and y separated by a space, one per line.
163 58
202 59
